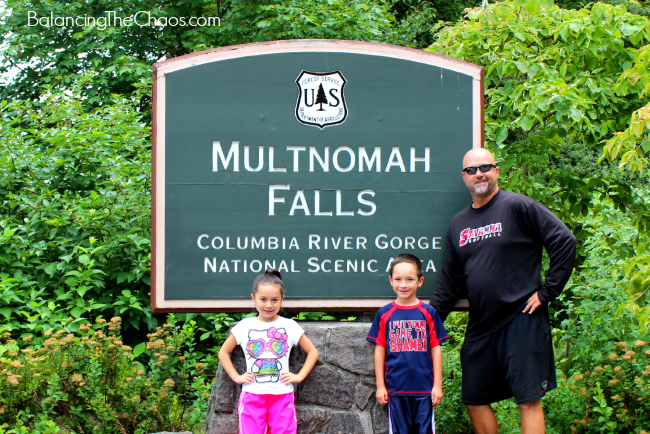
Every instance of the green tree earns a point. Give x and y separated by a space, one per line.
549 83
74 213
120 55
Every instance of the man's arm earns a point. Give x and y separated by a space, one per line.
560 244
450 284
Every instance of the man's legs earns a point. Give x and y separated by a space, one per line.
483 419
532 418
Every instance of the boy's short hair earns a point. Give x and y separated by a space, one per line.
408 258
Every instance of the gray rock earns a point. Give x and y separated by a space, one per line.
325 386
312 420
223 425
346 423
379 416
317 334
349 350
361 395
169 432
224 394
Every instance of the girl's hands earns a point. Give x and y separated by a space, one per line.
288 378
244 378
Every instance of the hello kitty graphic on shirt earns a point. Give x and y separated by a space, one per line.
266 347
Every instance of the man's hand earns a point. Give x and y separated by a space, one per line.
436 395
244 378
288 378
382 395
532 303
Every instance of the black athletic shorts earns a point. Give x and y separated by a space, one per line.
516 360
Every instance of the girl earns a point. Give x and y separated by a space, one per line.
267 391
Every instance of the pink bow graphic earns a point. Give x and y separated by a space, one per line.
273 333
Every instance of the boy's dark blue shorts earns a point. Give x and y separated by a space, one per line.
516 360
410 415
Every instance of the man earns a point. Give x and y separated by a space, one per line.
493 257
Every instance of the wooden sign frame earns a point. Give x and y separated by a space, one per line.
160 70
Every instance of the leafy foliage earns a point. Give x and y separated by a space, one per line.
120 53
549 80
74 214
87 381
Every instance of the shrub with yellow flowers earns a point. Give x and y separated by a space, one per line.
614 395
88 381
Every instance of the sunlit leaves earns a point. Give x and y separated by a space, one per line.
74 212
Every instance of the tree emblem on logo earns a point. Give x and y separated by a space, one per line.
321 101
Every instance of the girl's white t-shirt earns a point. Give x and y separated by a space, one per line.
266 347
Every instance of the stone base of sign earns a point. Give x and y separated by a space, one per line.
338 396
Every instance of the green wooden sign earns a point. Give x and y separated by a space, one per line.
323 159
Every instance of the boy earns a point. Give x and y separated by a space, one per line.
408 360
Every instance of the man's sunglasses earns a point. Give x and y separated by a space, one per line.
471 170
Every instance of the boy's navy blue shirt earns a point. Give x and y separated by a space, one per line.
408 333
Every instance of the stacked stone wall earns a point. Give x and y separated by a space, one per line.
338 396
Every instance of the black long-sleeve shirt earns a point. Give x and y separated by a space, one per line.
494 256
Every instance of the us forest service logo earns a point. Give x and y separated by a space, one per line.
321 101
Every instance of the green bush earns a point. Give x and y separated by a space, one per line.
88 381
74 214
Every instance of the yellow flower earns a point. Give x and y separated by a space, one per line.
626 357
639 343
578 377
200 366
141 372
181 358
630 353
598 368
613 382
647 352
13 379
116 319
100 320
163 357
27 338
608 366
136 399
155 344
615 397
167 326
76 378
170 348
618 368
621 345
46 334
612 356
169 382
15 364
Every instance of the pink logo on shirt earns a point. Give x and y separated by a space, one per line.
472 235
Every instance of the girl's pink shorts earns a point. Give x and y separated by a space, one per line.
259 412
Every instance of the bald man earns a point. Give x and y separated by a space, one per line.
494 257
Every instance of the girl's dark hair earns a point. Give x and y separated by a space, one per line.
270 277
406 257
